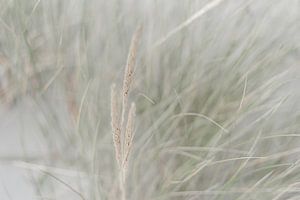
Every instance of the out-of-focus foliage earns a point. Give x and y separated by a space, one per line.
217 110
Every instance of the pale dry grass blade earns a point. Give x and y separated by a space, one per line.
200 167
205 117
82 101
244 163
287 189
244 93
190 20
50 169
52 79
258 183
65 184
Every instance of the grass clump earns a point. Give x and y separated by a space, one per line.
215 90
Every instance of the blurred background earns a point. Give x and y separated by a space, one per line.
216 88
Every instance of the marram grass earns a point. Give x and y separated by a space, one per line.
204 98
123 135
